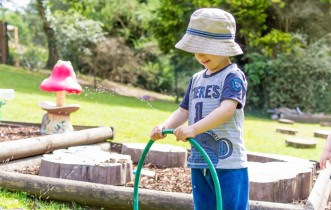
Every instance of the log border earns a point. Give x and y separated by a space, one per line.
108 196
99 195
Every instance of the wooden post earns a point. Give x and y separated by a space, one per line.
319 195
3 41
17 60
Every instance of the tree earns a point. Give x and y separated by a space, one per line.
310 17
76 35
53 53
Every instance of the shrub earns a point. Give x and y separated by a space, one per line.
297 79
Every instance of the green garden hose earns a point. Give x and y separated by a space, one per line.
202 152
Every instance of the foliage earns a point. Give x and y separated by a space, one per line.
126 52
289 80
310 17
145 32
76 34
275 42
17 20
156 77
29 51
33 57
250 17
112 59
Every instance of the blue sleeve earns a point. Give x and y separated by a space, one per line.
235 86
185 102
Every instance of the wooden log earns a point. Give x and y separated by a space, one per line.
321 133
108 196
88 164
318 197
280 181
263 205
36 160
325 124
307 118
286 121
289 131
91 194
266 157
45 144
162 155
300 142
21 163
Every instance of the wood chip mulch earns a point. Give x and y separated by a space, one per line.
166 179
18 132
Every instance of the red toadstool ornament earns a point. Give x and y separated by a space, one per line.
61 80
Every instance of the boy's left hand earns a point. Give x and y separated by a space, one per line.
326 156
184 132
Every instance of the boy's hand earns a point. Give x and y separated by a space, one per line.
326 156
157 133
184 132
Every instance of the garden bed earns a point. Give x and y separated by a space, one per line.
165 179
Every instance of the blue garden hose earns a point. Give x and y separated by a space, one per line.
202 152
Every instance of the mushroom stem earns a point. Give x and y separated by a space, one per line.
60 96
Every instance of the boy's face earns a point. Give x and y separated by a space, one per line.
212 62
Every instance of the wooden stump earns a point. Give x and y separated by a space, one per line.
321 133
162 155
289 131
280 181
286 121
89 164
300 143
325 124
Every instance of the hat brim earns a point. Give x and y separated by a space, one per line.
196 44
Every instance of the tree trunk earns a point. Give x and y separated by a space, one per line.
53 53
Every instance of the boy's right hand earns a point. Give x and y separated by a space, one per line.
157 133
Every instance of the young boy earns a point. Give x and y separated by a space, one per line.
213 105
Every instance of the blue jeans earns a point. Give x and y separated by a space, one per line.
234 189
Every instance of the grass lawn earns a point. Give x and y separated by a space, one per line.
132 118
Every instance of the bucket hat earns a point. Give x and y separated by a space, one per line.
210 31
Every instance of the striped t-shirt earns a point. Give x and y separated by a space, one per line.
223 144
